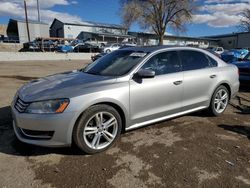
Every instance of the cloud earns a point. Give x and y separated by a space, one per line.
226 1
221 13
15 9
217 20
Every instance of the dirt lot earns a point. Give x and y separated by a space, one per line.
190 151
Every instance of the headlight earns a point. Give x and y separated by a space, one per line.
48 107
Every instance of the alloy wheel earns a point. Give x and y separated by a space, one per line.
100 130
221 100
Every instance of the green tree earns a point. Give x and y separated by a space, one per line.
157 15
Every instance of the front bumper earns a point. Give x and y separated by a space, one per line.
50 130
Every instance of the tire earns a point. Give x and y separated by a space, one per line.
219 101
108 51
91 136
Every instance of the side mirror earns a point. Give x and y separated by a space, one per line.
145 73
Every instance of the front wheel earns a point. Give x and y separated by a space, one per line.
98 129
219 101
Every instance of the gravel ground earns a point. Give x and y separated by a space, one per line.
190 151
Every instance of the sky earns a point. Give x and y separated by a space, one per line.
213 17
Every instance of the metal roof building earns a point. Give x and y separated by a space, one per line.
152 39
233 40
17 30
86 29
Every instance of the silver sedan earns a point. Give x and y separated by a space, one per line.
123 90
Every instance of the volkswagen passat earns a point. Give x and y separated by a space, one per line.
123 90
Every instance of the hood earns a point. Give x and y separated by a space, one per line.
63 85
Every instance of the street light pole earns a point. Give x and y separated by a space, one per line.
27 22
38 11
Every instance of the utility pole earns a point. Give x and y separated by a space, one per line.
27 22
38 11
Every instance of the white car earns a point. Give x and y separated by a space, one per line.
111 47
218 50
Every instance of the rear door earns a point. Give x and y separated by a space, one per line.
152 98
200 78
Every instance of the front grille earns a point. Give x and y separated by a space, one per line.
20 105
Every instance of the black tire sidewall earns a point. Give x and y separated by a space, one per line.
80 125
212 107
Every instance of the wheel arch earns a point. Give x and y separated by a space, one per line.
113 104
228 88
119 110
226 84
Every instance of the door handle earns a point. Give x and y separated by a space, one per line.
213 76
177 82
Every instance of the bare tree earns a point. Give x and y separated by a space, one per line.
245 21
157 14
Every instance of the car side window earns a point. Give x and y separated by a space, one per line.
193 60
213 63
164 63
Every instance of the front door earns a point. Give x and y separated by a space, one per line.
153 98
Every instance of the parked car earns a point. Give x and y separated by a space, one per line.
31 46
218 50
65 48
234 54
214 53
126 46
76 41
228 58
239 53
97 56
244 69
86 48
124 90
111 47
95 42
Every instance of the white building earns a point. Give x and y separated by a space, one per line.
17 30
84 30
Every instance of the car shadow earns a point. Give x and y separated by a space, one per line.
10 145
240 129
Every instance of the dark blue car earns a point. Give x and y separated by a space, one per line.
244 69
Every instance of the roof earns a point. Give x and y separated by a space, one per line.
89 23
30 21
109 34
149 49
226 35
172 36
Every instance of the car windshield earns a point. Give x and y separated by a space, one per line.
247 57
116 63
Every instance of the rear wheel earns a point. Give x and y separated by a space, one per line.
98 129
219 101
